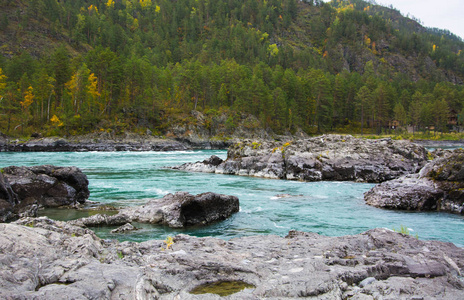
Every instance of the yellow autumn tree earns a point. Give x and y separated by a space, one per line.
77 87
83 89
367 41
92 8
273 50
145 3
135 24
93 94
26 103
28 99
56 121
92 86
72 87
110 3
2 82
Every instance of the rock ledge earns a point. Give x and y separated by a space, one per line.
47 259
438 186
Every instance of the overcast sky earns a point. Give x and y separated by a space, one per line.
444 14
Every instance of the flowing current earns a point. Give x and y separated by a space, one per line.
267 206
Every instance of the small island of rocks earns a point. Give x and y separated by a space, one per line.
327 157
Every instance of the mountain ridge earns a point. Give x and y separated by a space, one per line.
291 64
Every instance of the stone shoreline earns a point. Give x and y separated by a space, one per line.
138 142
45 259
106 142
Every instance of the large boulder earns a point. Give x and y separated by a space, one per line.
49 259
438 186
174 210
8 199
48 186
328 157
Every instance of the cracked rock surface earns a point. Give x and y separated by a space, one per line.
45 259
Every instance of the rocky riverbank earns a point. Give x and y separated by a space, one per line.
108 142
439 186
45 259
24 189
327 157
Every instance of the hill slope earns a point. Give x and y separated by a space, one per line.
70 67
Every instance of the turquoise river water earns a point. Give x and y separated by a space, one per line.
327 208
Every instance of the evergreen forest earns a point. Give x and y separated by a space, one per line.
77 66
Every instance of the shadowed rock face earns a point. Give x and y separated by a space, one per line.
47 186
175 210
48 259
438 186
328 157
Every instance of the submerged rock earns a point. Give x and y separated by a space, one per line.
175 210
48 259
438 186
328 157
23 188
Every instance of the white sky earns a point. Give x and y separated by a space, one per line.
444 14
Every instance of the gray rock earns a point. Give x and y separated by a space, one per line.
48 259
96 142
175 210
367 281
128 227
438 186
102 220
24 189
328 157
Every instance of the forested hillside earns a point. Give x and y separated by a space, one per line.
71 67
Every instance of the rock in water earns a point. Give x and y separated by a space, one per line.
46 186
328 157
128 227
48 259
438 186
175 210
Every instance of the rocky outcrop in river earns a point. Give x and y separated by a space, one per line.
45 259
328 157
438 186
174 210
24 189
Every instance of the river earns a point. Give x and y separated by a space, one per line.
327 208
